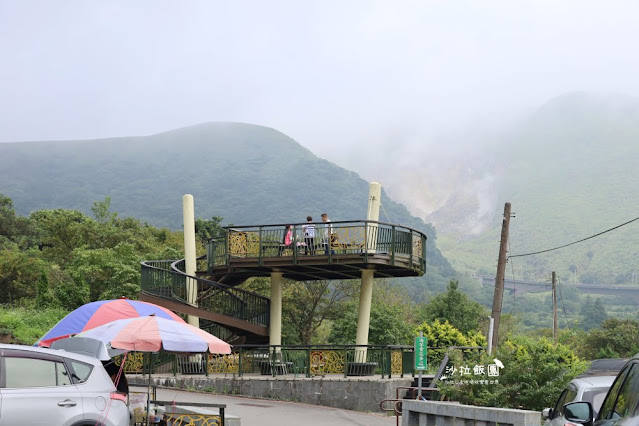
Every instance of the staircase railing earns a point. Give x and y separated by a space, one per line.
163 278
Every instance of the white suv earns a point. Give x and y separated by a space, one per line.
53 387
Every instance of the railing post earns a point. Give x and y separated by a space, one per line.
260 250
175 365
240 371
345 361
273 361
366 241
424 240
410 234
308 363
393 234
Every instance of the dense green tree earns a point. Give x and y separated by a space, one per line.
593 314
19 272
390 320
455 307
101 211
107 273
208 228
308 304
15 229
62 232
617 338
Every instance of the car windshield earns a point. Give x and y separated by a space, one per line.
595 396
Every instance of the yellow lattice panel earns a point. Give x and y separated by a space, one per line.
396 362
178 419
134 362
417 246
238 244
223 363
327 362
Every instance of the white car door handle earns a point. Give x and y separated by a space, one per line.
67 403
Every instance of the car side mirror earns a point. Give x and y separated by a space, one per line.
579 412
546 413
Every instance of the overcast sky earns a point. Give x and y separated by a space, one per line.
337 76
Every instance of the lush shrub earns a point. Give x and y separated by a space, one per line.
442 335
535 372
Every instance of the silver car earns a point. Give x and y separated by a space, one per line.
53 387
590 389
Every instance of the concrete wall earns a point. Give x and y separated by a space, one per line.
435 413
349 393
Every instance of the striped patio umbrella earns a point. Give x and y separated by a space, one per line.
153 333
102 312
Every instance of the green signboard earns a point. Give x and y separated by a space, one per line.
420 353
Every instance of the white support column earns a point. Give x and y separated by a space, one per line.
188 211
372 213
364 316
366 289
275 337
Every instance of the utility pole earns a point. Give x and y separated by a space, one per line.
501 272
554 306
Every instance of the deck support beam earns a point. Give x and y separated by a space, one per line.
275 337
366 289
190 263
364 316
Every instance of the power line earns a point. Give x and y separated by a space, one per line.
575 242
385 214
512 267
561 296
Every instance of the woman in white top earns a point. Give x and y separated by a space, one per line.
309 236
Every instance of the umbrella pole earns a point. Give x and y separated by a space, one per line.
148 392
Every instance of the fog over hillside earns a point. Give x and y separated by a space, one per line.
569 172
438 101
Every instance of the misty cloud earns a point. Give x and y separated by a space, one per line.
374 86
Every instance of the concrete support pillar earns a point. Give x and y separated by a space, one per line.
275 337
364 317
188 212
372 213
374 200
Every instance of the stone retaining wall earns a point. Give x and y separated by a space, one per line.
434 413
349 393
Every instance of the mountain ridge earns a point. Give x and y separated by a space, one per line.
245 173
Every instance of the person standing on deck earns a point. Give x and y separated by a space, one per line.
309 235
328 233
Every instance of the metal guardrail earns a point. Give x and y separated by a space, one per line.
305 361
163 278
179 413
364 238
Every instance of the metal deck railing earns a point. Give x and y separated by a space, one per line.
362 238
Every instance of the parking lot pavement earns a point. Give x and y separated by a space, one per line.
265 412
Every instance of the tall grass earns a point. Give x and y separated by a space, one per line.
28 325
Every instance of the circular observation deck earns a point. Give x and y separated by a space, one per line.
335 250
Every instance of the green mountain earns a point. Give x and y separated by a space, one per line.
570 171
245 173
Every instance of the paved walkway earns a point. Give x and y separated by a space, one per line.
265 412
